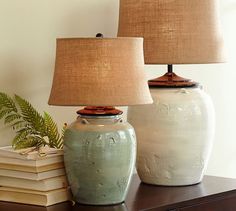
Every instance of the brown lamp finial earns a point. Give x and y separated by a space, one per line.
99 35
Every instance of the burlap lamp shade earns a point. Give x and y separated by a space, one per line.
99 72
174 31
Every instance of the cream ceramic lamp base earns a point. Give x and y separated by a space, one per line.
174 136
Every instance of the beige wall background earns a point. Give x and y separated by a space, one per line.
29 28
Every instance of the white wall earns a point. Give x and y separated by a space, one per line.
28 29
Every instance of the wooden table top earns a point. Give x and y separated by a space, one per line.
146 197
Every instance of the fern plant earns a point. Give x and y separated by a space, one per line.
32 129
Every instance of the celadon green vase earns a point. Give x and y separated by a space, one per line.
99 155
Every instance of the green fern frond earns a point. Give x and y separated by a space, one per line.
3 113
32 129
21 135
61 139
11 118
30 115
7 102
52 131
18 124
29 142
57 143
60 143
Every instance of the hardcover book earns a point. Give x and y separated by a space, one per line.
33 169
29 153
33 163
40 185
34 197
32 176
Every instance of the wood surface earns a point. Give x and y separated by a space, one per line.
213 194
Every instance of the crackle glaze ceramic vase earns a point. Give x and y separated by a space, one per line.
99 155
174 136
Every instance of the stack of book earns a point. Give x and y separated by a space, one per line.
31 178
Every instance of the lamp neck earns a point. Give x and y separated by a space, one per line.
170 68
99 111
171 80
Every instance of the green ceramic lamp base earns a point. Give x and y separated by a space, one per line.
99 155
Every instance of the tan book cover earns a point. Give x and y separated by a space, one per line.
40 185
29 153
33 169
32 176
32 163
34 197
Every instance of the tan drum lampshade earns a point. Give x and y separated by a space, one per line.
174 31
99 72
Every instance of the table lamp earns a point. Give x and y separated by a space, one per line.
99 147
175 133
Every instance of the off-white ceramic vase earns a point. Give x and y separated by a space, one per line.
174 136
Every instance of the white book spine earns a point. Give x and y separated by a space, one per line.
32 176
41 185
34 197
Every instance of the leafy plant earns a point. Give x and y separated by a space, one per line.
32 129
